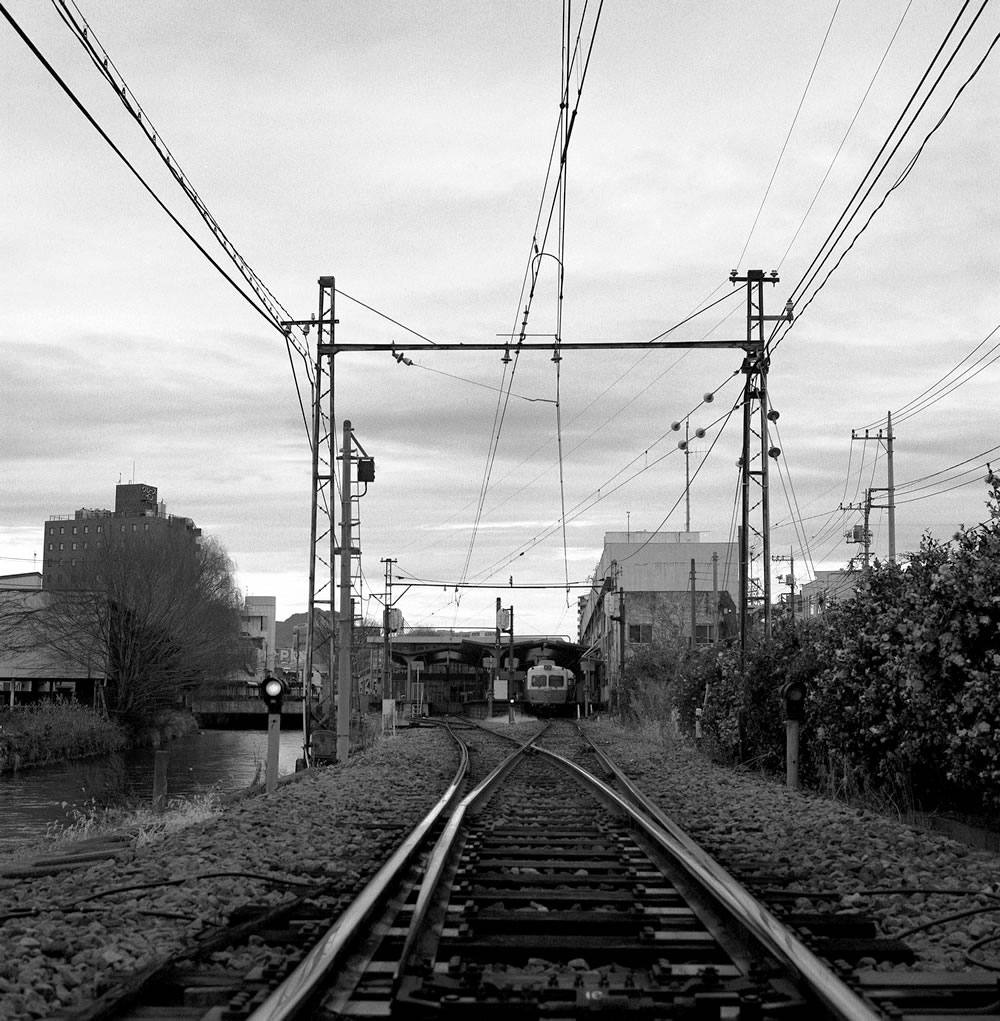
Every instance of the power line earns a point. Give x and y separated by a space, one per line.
940 389
564 132
277 315
124 159
843 140
827 248
791 128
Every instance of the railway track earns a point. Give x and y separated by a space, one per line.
537 889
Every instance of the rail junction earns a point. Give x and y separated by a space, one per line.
543 884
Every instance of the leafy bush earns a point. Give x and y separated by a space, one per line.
55 731
903 682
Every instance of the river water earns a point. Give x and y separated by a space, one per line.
219 760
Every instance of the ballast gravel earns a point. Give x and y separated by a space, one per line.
872 864
64 937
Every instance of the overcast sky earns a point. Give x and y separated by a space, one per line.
402 147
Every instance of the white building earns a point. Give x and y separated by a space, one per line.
642 594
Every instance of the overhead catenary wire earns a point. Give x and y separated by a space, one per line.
611 485
276 314
850 127
564 132
130 166
846 215
582 506
828 247
701 308
791 128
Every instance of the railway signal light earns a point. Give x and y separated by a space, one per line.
272 691
794 695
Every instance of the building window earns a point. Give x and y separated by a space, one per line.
62 531
98 528
62 546
73 545
74 529
84 545
145 526
134 526
52 530
86 529
640 634
123 528
704 634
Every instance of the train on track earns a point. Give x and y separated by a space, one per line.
549 689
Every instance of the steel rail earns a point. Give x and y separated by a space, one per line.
295 992
439 857
826 986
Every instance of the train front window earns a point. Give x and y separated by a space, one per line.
557 681
538 681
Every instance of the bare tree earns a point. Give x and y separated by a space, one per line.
159 612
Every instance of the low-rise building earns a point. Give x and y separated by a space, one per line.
656 588
827 587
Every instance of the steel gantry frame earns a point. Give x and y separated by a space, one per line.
324 548
754 463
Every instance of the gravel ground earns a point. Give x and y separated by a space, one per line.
746 820
68 950
337 823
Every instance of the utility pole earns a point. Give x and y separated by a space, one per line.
687 480
790 560
694 608
510 662
387 686
716 614
861 534
346 613
323 456
890 488
755 406
621 648
496 666
892 492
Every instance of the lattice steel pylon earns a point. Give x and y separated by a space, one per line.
323 544
755 528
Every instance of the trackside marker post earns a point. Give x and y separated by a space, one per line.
160 782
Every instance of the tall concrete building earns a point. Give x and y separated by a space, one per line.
71 540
